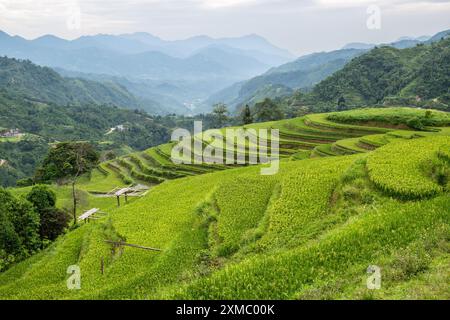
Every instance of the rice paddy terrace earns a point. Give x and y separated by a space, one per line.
312 136
355 189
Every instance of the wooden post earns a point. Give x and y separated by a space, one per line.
102 265
118 201
126 197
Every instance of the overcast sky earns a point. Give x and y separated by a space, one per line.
301 26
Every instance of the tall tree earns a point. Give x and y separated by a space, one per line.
66 163
341 104
19 227
268 111
246 115
53 220
220 113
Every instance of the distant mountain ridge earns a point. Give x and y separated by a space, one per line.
402 42
141 42
305 72
198 66
281 81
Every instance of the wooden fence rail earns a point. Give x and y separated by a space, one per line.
118 244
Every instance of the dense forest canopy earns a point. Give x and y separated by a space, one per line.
413 76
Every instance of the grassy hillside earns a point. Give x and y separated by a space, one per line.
350 193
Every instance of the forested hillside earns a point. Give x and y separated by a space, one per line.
44 123
193 68
413 76
42 84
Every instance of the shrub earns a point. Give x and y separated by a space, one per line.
9 239
53 223
415 123
409 262
24 182
19 229
42 197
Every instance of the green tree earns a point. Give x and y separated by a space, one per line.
53 221
302 111
41 197
220 113
268 111
19 226
9 239
246 115
341 104
67 162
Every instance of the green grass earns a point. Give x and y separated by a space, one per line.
359 243
392 116
322 121
308 232
398 168
101 181
300 138
325 151
348 146
241 204
375 141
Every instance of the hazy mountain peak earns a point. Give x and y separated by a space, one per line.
254 36
358 45
406 38
200 37
48 37
141 35
50 40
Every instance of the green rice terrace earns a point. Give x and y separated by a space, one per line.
354 189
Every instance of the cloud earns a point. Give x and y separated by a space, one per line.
226 3
287 23
385 3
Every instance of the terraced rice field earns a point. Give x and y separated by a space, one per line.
310 136
227 232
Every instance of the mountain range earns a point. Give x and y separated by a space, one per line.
304 73
146 65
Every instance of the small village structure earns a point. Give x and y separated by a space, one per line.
10 133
